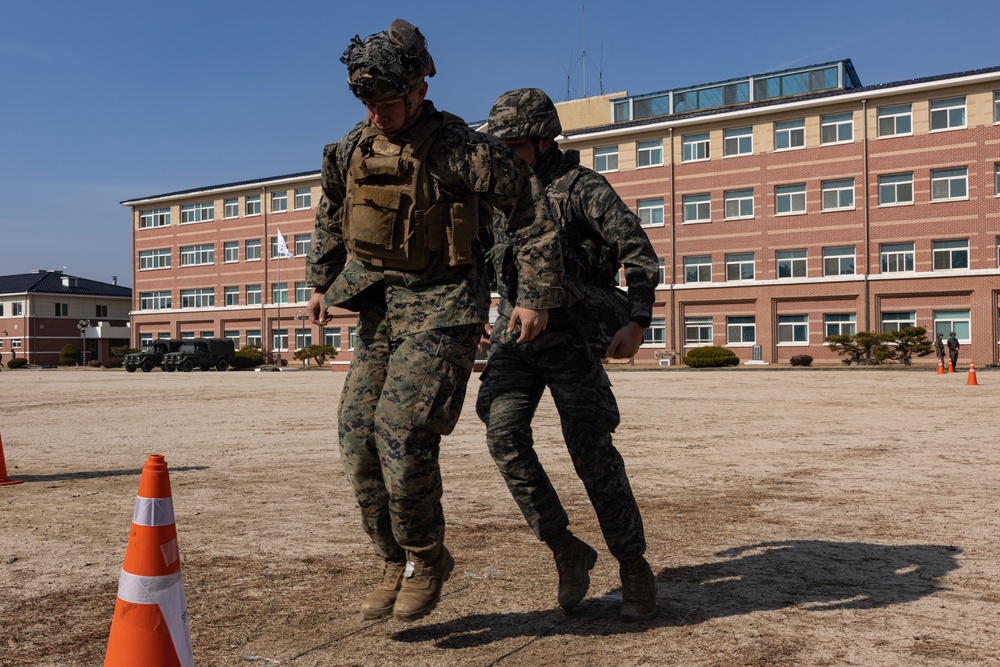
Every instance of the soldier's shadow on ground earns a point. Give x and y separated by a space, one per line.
806 574
94 474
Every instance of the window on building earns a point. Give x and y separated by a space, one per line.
200 212
100 311
279 201
838 195
959 321
252 248
738 204
896 257
949 184
254 337
737 141
331 336
17 308
279 292
698 331
695 147
352 336
231 208
606 159
253 293
650 212
836 128
790 134
302 292
948 114
697 208
656 332
196 255
790 199
206 334
145 340
839 324
302 244
231 251
303 338
793 329
740 330
791 263
159 217
232 295
996 107
663 268
154 300
896 321
895 189
198 298
279 340
252 205
234 336
154 259
698 269
996 180
15 343
62 310
649 153
895 120
303 198
1 313
739 266
838 261
949 255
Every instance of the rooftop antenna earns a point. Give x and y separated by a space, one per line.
583 17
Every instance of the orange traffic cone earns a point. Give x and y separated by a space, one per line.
951 366
972 374
940 367
150 626
4 479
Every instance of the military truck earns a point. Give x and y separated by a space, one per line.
150 356
203 353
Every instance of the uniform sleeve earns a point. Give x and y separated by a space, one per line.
327 252
623 231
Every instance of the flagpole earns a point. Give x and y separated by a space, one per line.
278 331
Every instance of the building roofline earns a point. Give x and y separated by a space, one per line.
213 189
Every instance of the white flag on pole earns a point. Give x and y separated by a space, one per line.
283 250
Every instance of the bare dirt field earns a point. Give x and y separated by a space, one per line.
794 517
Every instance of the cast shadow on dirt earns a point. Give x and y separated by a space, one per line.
94 474
810 575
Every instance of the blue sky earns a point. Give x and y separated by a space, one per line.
105 101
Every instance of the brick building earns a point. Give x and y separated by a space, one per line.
785 207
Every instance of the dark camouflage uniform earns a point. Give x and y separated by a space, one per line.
566 357
418 330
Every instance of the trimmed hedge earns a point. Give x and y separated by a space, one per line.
19 362
801 360
711 357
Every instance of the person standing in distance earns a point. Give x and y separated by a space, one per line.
406 194
599 234
939 351
953 347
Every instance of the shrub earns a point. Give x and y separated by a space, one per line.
711 357
801 360
248 356
94 363
19 362
112 362
122 350
319 353
69 355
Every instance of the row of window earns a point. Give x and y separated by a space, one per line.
61 309
892 121
835 195
279 337
794 329
201 255
205 297
205 211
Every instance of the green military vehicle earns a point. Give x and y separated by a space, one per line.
203 353
151 355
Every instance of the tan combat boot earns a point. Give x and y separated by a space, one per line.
574 560
379 602
420 588
638 590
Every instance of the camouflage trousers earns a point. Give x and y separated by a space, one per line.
512 385
400 396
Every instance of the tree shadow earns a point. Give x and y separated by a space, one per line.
811 575
94 474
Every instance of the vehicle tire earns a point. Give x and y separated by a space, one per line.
222 365
147 366
130 369
187 366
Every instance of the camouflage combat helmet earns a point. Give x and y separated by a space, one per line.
525 112
388 64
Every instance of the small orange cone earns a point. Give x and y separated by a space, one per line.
951 366
972 375
940 367
150 626
4 479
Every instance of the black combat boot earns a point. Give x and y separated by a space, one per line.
638 590
574 560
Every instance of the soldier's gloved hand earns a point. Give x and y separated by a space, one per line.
315 308
532 322
626 342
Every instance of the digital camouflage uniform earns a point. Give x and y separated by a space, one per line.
418 330
600 234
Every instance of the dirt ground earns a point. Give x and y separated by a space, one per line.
794 517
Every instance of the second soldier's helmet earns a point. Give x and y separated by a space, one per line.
388 64
525 112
